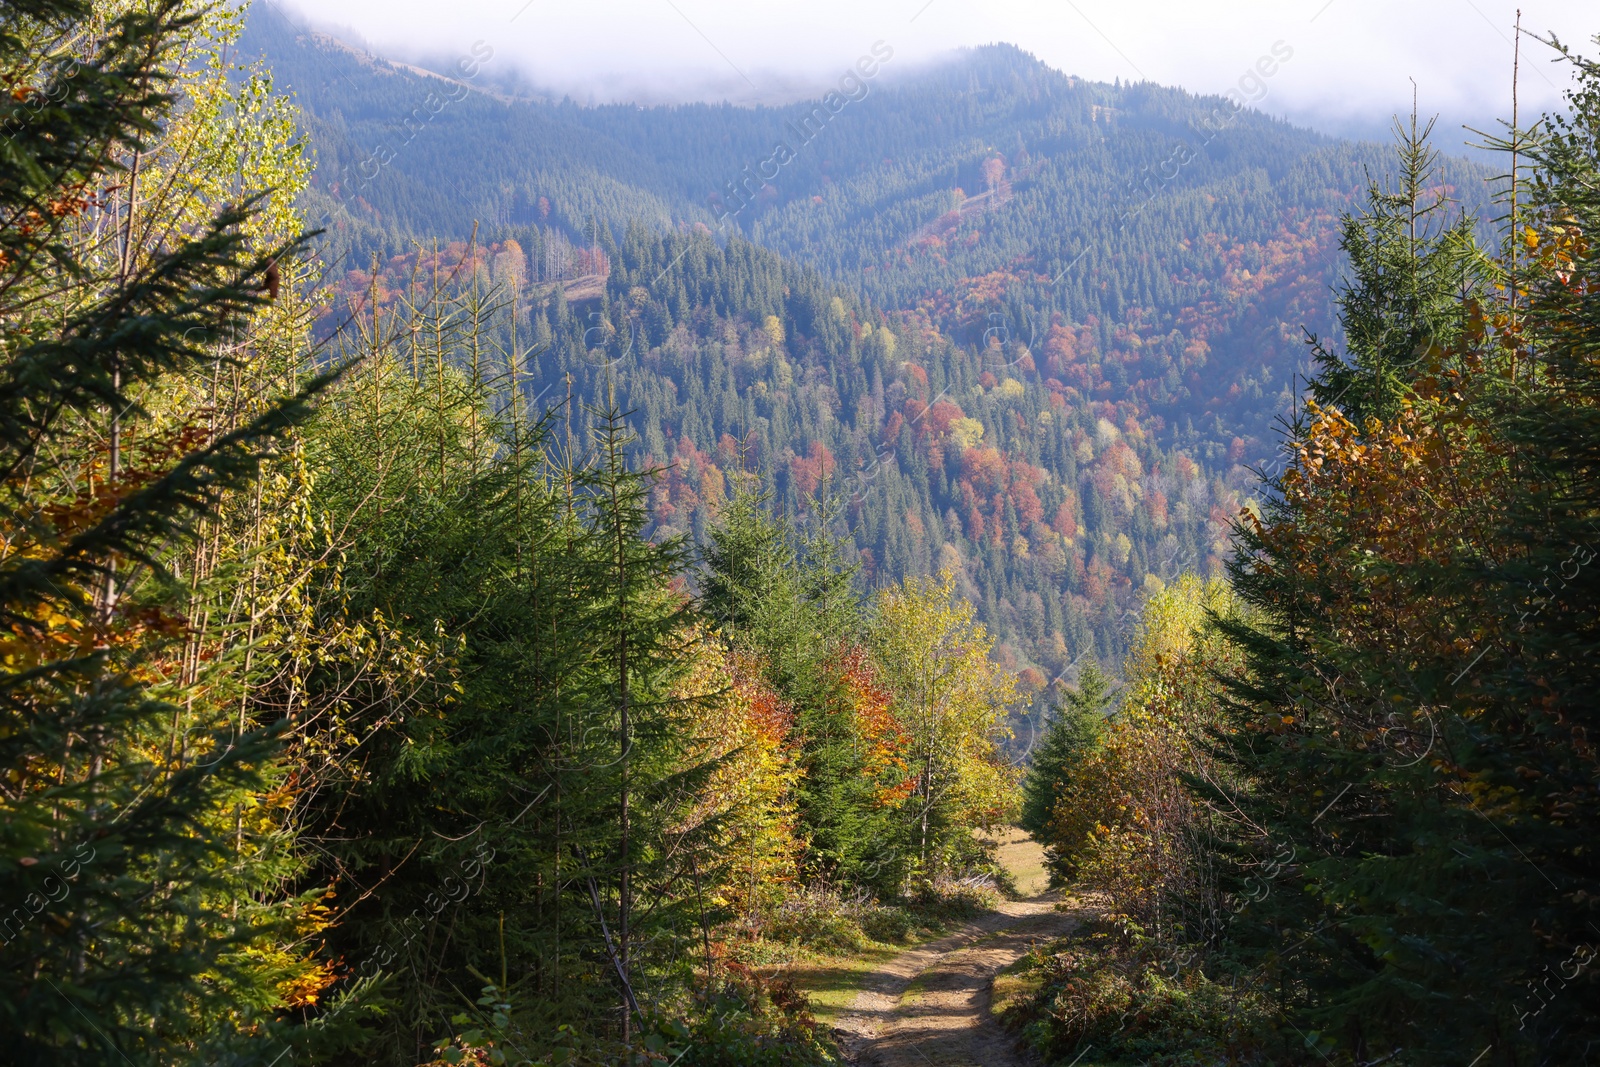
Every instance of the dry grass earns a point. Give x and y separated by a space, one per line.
1024 858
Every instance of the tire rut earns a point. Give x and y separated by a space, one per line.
929 1006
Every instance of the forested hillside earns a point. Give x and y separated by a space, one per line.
568 641
352 705
1104 289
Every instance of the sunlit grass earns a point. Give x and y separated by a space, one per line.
833 982
1024 858
1014 987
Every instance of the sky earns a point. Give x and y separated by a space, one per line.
1350 66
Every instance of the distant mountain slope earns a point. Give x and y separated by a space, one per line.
414 155
1140 209
1035 328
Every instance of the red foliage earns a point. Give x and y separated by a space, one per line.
770 716
984 468
884 737
1066 520
942 414
1029 508
809 471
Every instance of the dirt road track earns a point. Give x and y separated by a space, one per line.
929 1006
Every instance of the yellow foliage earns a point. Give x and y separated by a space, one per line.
966 432
772 326
951 700
1128 822
743 725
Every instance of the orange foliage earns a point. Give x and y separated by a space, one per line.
871 704
811 470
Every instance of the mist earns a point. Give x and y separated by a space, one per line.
1355 63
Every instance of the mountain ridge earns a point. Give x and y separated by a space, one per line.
1057 385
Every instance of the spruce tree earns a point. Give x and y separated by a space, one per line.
1410 266
1422 661
1070 731
745 556
125 937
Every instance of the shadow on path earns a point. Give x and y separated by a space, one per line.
930 1005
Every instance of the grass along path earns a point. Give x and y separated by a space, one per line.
833 982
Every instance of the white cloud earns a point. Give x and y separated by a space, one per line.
1352 65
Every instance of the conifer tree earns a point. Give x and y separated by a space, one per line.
1410 266
645 641
746 555
1070 730
125 937
1418 670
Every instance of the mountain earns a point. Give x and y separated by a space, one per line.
1030 327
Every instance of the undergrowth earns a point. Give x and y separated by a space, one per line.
831 921
745 1020
1107 988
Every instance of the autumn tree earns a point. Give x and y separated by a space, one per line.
1071 730
1413 722
1129 820
951 700
134 934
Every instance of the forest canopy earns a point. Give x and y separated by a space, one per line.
504 648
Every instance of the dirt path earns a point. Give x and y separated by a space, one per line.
930 1005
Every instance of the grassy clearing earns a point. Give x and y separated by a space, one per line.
1022 856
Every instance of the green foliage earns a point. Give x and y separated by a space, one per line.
747 555
746 1021
1108 992
749 1022
130 932
1070 731
826 921
1417 673
526 771
1410 267
788 599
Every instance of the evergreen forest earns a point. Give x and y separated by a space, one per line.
493 580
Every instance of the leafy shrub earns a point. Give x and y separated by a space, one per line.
950 897
750 1021
1108 987
887 923
747 1021
821 918
828 920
